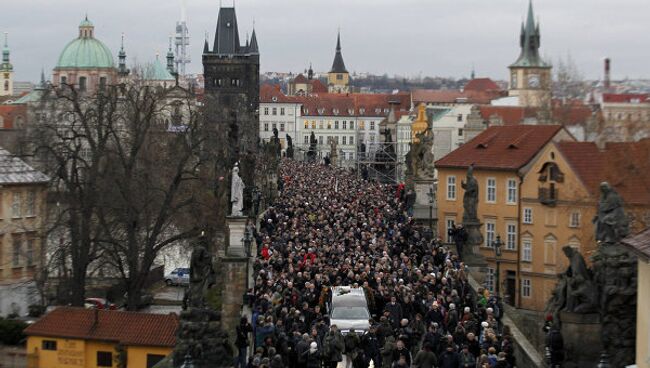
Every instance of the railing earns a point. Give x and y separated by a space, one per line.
548 196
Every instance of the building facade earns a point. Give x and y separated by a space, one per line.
23 193
76 337
501 156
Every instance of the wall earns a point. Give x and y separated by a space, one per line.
642 315
137 355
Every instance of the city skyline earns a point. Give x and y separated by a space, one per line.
442 38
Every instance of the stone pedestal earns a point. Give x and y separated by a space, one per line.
236 228
202 336
581 335
423 210
234 287
471 251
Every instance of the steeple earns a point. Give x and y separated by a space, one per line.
206 47
310 73
6 62
253 47
226 38
338 66
86 28
529 41
170 57
122 59
6 71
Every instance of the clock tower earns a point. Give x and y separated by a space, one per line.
530 75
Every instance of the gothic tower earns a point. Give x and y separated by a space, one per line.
338 78
232 74
6 71
530 75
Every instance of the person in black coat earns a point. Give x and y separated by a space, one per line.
449 359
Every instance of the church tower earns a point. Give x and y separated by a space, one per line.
338 78
6 71
530 76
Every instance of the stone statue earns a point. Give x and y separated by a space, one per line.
256 199
611 222
236 193
276 143
202 275
580 295
311 153
289 147
426 168
334 154
470 198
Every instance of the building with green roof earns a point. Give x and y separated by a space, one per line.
6 71
85 62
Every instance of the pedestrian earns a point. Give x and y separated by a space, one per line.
241 341
333 347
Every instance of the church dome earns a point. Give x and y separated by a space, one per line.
86 52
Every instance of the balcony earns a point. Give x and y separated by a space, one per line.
548 196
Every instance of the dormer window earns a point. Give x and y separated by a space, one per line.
350 111
336 111
321 111
362 111
377 110
274 99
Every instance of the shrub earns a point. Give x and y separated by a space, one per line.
11 331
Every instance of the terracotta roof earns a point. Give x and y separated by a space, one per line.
623 165
639 243
569 114
300 79
510 115
270 93
9 113
318 87
128 328
626 97
454 96
481 84
501 147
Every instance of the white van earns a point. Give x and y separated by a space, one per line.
349 309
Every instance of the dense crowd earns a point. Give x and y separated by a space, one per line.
330 228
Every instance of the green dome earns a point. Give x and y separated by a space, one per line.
86 23
86 53
157 72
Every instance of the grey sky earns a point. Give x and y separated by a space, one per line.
405 37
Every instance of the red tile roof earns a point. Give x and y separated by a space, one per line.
501 147
624 165
318 87
128 328
9 114
510 115
481 84
300 79
573 114
454 96
270 93
639 243
626 97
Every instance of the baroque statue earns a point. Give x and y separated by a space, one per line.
289 147
202 275
470 198
334 154
575 291
236 193
611 222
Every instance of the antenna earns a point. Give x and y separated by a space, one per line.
183 10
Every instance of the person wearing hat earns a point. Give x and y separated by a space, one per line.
467 359
449 358
312 356
370 344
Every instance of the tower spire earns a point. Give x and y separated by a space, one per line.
122 59
338 66
170 57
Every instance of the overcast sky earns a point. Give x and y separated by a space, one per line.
404 37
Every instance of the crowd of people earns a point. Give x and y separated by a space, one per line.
331 228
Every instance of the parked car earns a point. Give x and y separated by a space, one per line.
349 309
99 303
180 276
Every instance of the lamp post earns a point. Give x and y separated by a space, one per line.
248 244
496 244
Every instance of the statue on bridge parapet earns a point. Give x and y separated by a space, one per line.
611 222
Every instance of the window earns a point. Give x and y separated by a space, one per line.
512 191
313 125
489 280
491 195
336 139
102 83
306 125
352 125
15 206
82 83
17 248
527 250
362 125
29 254
104 359
320 139
64 80
372 125
549 251
266 111
234 82
282 111
336 124
275 111
274 126
451 188
450 222
511 236
320 124
351 140
329 125
153 359
574 219
490 229
372 139
460 132
345 124
460 117
345 139
339 77
266 127
306 139
49 345
282 127
528 215
525 288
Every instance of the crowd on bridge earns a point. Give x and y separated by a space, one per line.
330 227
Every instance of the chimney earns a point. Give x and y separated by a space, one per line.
607 73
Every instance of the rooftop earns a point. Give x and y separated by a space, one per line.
626 98
501 147
15 171
448 96
481 84
639 243
127 328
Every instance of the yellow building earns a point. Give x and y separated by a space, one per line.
338 78
22 210
76 337
502 156
640 245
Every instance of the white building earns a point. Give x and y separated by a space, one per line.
448 124
280 112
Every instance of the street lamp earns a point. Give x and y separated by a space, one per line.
496 244
248 244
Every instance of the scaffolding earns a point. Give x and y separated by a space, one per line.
378 161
